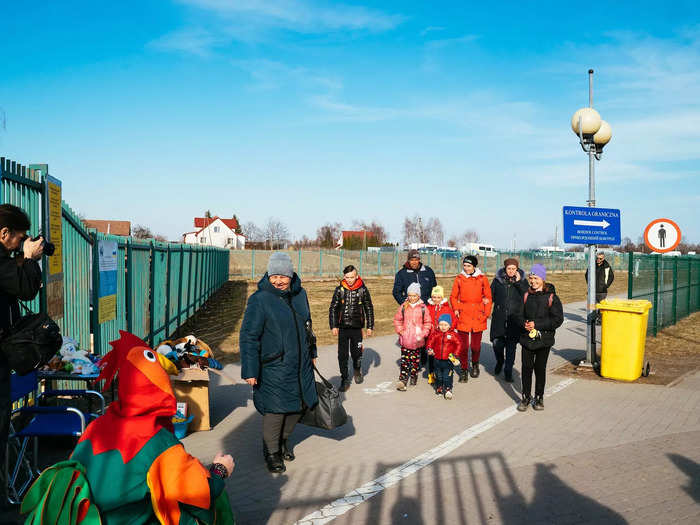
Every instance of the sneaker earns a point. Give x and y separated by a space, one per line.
438 390
538 404
448 394
345 385
358 376
275 463
401 386
431 378
499 367
524 403
463 377
474 370
453 359
414 380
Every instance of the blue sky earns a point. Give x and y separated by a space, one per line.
315 111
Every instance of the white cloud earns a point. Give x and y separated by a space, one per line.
301 15
193 41
271 74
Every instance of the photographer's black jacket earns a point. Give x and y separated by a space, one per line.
19 279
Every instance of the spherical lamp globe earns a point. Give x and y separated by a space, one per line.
603 135
590 121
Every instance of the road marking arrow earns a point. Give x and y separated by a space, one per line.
604 224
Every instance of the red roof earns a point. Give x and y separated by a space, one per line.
357 233
122 228
203 222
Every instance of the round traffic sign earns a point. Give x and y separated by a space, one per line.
662 235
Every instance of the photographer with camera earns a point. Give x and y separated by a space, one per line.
20 279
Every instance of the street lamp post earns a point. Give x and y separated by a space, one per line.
594 133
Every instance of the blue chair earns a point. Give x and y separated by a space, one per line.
43 421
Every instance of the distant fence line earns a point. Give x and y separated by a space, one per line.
252 264
671 284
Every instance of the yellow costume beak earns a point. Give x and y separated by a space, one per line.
167 364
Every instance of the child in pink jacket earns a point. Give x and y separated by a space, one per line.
413 323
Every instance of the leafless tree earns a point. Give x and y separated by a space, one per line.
276 232
412 230
327 235
140 231
252 232
434 231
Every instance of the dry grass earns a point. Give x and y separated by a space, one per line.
219 320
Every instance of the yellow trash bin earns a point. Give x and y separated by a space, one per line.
624 332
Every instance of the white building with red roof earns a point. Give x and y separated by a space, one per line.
215 231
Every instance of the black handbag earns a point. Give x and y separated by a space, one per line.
329 412
31 342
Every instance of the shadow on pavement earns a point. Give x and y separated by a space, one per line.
692 470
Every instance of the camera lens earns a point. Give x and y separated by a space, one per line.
49 248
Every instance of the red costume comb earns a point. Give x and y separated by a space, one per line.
113 360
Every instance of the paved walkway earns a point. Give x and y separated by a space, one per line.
600 452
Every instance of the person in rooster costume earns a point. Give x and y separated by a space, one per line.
128 467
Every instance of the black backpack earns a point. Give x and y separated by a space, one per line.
30 342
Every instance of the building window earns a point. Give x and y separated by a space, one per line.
216 229
230 240
202 240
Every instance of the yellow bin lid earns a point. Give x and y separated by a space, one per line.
636 306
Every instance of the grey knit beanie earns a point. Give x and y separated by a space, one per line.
280 264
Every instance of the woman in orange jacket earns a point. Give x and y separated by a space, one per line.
471 301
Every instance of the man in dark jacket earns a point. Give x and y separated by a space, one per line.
604 277
507 290
20 278
414 271
351 310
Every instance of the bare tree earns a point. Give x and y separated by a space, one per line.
140 231
252 232
434 231
412 230
276 232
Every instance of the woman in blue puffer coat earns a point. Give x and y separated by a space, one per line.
276 357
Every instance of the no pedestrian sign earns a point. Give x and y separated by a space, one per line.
662 235
584 225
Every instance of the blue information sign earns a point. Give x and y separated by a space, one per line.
583 225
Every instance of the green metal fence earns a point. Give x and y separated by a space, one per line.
671 284
252 264
159 285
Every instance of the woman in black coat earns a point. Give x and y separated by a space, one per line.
507 290
541 314
276 358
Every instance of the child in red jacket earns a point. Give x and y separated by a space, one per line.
444 344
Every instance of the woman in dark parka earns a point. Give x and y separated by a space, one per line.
507 290
275 356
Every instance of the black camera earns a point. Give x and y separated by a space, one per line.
49 247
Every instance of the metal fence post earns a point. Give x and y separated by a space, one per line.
320 262
168 275
299 263
379 262
361 261
152 305
252 264
675 290
96 295
630 276
342 254
656 294
690 283
444 263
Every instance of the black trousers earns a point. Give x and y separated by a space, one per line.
508 344
278 427
349 344
534 360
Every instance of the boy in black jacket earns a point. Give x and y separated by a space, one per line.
351 309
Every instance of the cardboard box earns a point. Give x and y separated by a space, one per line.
192 387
